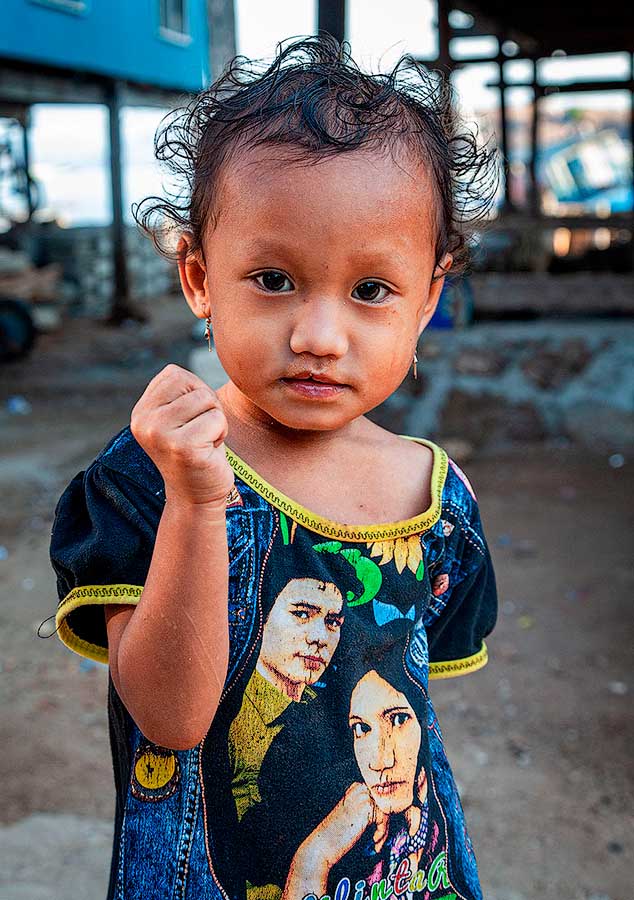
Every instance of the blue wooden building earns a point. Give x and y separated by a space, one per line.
155 43
112 52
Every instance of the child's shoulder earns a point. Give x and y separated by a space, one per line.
125 456
419 464
460 512
448 480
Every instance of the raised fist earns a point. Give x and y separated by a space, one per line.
180 424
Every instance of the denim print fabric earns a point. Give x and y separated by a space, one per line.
334 634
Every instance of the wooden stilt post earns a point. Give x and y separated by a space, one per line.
332 18
222 34
121 308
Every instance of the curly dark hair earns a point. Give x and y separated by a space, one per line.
314 101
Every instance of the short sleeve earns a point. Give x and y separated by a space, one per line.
101 549
463 611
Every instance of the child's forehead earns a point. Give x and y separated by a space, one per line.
260 167
278 185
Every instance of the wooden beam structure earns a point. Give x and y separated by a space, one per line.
443 27
221 20
120 308
331 18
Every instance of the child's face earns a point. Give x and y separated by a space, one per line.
324 269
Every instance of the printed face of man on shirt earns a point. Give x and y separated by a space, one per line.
301 634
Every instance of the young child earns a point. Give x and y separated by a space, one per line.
271 577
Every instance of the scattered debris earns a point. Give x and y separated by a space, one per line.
18 406
617 460
615 847
28 584
526 622
519 752
619 688
481 757
506 651
525 547
473 361
505 692
4 554
19 278
551 368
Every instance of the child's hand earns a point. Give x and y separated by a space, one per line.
180 424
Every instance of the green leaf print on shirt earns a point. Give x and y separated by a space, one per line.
365 569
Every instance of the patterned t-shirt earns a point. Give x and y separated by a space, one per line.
323 774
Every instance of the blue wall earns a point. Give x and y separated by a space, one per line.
120 38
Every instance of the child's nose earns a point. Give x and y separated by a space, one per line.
319 328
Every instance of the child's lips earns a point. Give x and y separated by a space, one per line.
314 386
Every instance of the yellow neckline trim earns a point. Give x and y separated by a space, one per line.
328 528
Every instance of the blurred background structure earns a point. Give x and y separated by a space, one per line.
526 376
83 86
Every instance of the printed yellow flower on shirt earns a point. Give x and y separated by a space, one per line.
404 551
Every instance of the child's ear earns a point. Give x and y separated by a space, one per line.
435 289
193 276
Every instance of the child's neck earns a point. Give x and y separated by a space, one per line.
254 435
359 474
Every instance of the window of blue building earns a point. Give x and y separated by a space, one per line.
69 6
173 18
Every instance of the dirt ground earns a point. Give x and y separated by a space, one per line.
541 740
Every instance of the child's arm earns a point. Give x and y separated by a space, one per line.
168 655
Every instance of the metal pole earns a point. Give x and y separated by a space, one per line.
504 147
444 35
25 122
120 308
534 204
331 17
222 34
632 160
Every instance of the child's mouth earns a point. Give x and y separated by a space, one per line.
314 386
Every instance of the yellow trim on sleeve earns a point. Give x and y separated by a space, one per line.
92 595
455 667
328 528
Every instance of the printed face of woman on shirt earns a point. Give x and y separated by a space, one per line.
387 738
301 634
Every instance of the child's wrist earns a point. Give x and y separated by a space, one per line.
214 508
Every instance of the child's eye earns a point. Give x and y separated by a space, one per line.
371 292
274 281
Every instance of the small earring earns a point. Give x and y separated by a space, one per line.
415 365
208 332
